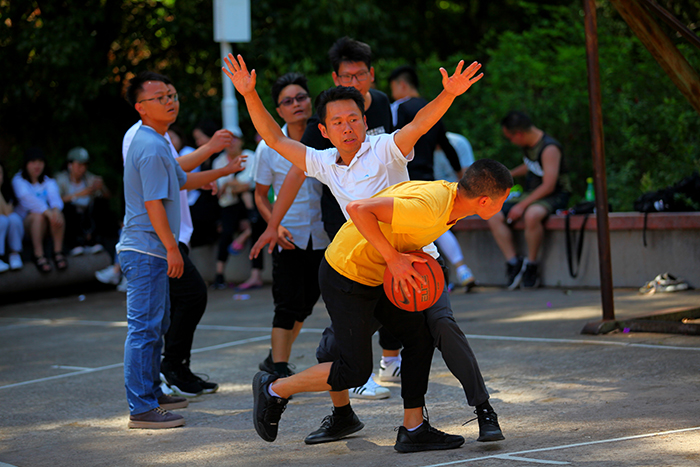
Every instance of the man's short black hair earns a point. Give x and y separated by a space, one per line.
339 93
516 121
486 177
405 73
208 127
286 80
136 84
346 49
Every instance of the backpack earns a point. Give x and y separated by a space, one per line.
682 196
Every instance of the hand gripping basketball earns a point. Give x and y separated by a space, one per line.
429 292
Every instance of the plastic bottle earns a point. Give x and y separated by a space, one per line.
590 192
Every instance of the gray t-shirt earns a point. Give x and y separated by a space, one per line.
150 173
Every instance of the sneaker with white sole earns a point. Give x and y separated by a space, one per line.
15 261
108 275
390 372
370 390
94 249
77 251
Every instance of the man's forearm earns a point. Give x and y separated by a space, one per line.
198 179
159 220
191 161
288 193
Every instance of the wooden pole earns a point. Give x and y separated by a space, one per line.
598 150
661 48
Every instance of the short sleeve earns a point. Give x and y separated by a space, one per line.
412 215
156 184
181 175
386 146
315 166
263 174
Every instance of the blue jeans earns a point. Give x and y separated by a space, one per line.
148 318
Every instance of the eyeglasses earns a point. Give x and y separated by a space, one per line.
347 79
287 101
162 99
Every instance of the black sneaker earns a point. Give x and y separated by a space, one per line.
334 428
426 438
179 378
267 409
156 418
268 365
219 283
531 277
167 402
489 429
514 272
208 387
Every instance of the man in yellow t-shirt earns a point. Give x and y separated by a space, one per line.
401 218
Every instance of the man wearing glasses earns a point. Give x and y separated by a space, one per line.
149 253
302 239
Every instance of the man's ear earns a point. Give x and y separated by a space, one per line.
364 118
322 128
371 72
336 81
139 108
484 201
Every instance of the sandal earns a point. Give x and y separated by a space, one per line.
42 264
60 261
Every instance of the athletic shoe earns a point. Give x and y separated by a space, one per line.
531 277
465 277
219 283
156 418
514 272
390 372
77 251
180 379
425 438
268 365
4 266
108 276
489 429
168 402
208 387
122 285
664 283
94 249
370 390
15 261
267 409
334 428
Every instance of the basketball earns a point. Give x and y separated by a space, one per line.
430 291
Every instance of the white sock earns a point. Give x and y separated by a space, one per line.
388 360
414 429
273 393
449 246
464 270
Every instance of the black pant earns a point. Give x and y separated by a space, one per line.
356 312
295 284
188 300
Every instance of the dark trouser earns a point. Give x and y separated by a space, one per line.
451 342
188 300
295 284
333 220
356 312
257 226
231 216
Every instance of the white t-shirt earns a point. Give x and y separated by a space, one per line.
186 227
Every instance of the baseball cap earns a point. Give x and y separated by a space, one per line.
78 154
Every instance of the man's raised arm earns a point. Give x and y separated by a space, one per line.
267 127
429 115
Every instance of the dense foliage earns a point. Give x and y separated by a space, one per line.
66 63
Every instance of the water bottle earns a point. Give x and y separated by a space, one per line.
590 192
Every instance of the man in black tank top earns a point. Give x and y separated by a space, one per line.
547 189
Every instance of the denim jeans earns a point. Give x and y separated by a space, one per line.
12 228
148 318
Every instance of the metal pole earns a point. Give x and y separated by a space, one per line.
598 150
229 104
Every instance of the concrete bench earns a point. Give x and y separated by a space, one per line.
673 245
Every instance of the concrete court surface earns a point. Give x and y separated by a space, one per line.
563 398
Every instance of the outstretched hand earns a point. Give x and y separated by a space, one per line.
460 81
237 164
237 72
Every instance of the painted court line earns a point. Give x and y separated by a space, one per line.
514 455
527 459
117 365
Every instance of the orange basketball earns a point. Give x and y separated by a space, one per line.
430 291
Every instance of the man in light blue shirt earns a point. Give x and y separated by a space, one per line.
148 248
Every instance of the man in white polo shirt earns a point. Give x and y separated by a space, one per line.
360 163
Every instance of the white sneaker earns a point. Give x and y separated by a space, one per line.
108 275
465 276
15 261
370 390
4 266
93 250
77 251
122 285
390 372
